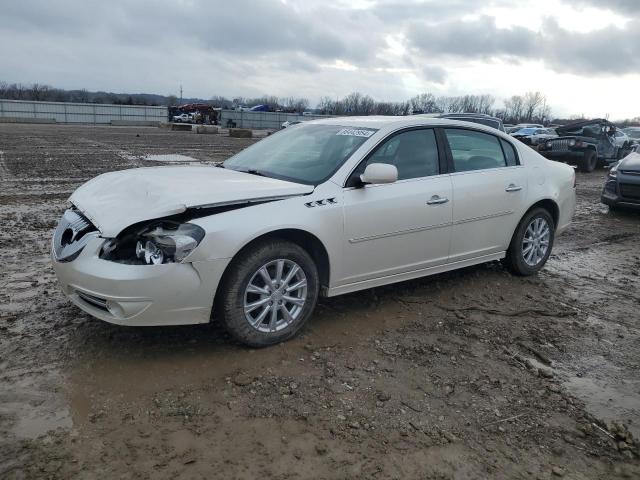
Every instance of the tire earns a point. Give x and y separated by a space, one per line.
245 270
588 162
516 260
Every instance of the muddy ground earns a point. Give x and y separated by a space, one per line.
471 374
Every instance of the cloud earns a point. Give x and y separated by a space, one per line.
435 74
389 49
608 51
625 6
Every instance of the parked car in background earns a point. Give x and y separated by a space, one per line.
622 186
622 140
289 123
529 125
534 136
511 128
183 118
633 133
586 144
259 108
330 207
480 118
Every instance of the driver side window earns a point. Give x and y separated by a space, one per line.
414 153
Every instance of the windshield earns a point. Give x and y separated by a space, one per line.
304 153
528 131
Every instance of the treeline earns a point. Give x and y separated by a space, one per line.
530 107
44 93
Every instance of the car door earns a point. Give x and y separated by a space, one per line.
402 226
489 192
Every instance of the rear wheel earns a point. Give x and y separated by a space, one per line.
531 243
268 294
588 162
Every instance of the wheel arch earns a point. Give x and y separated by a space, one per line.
549 205
304 239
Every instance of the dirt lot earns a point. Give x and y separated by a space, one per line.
472 374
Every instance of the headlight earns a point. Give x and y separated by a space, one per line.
548 144
154 243
613 171
572 142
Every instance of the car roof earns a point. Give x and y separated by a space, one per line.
384 121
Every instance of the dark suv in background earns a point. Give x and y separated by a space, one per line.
586 144
622 187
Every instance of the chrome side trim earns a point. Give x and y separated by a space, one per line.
400 232
429 227
484 217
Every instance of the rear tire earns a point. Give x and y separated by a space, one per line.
588 162
531 243
261 277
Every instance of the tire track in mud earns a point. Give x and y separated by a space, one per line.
4 170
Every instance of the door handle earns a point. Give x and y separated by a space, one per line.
513 188
437 200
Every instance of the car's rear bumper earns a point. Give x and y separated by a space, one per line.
140 295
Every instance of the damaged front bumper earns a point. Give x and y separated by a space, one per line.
139 295
622 191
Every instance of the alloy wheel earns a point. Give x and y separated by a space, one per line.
536 241
275 295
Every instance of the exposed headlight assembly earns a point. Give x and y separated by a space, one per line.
613 171
154 244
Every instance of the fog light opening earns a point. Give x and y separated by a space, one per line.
115 309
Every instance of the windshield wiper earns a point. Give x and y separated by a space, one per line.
254 172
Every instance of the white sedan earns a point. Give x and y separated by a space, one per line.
323 208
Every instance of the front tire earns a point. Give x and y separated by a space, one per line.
268 294
531 243
588 162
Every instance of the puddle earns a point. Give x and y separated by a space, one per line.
29 398
609 401
171 157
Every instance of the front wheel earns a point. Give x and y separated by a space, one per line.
268 294
588 162
531 243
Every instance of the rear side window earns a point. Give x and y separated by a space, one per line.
473 150
509 153
414 153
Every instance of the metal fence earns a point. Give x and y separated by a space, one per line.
99 114
259 120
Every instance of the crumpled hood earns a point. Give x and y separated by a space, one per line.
115 200
630 162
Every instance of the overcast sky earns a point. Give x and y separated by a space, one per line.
583 54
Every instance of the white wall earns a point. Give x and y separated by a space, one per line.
80 112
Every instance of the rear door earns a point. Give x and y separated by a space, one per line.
489 191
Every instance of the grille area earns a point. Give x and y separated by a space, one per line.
72 234
559 145
94 301
630 191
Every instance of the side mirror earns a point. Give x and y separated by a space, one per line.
379 173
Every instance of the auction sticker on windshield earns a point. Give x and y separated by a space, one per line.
356 132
